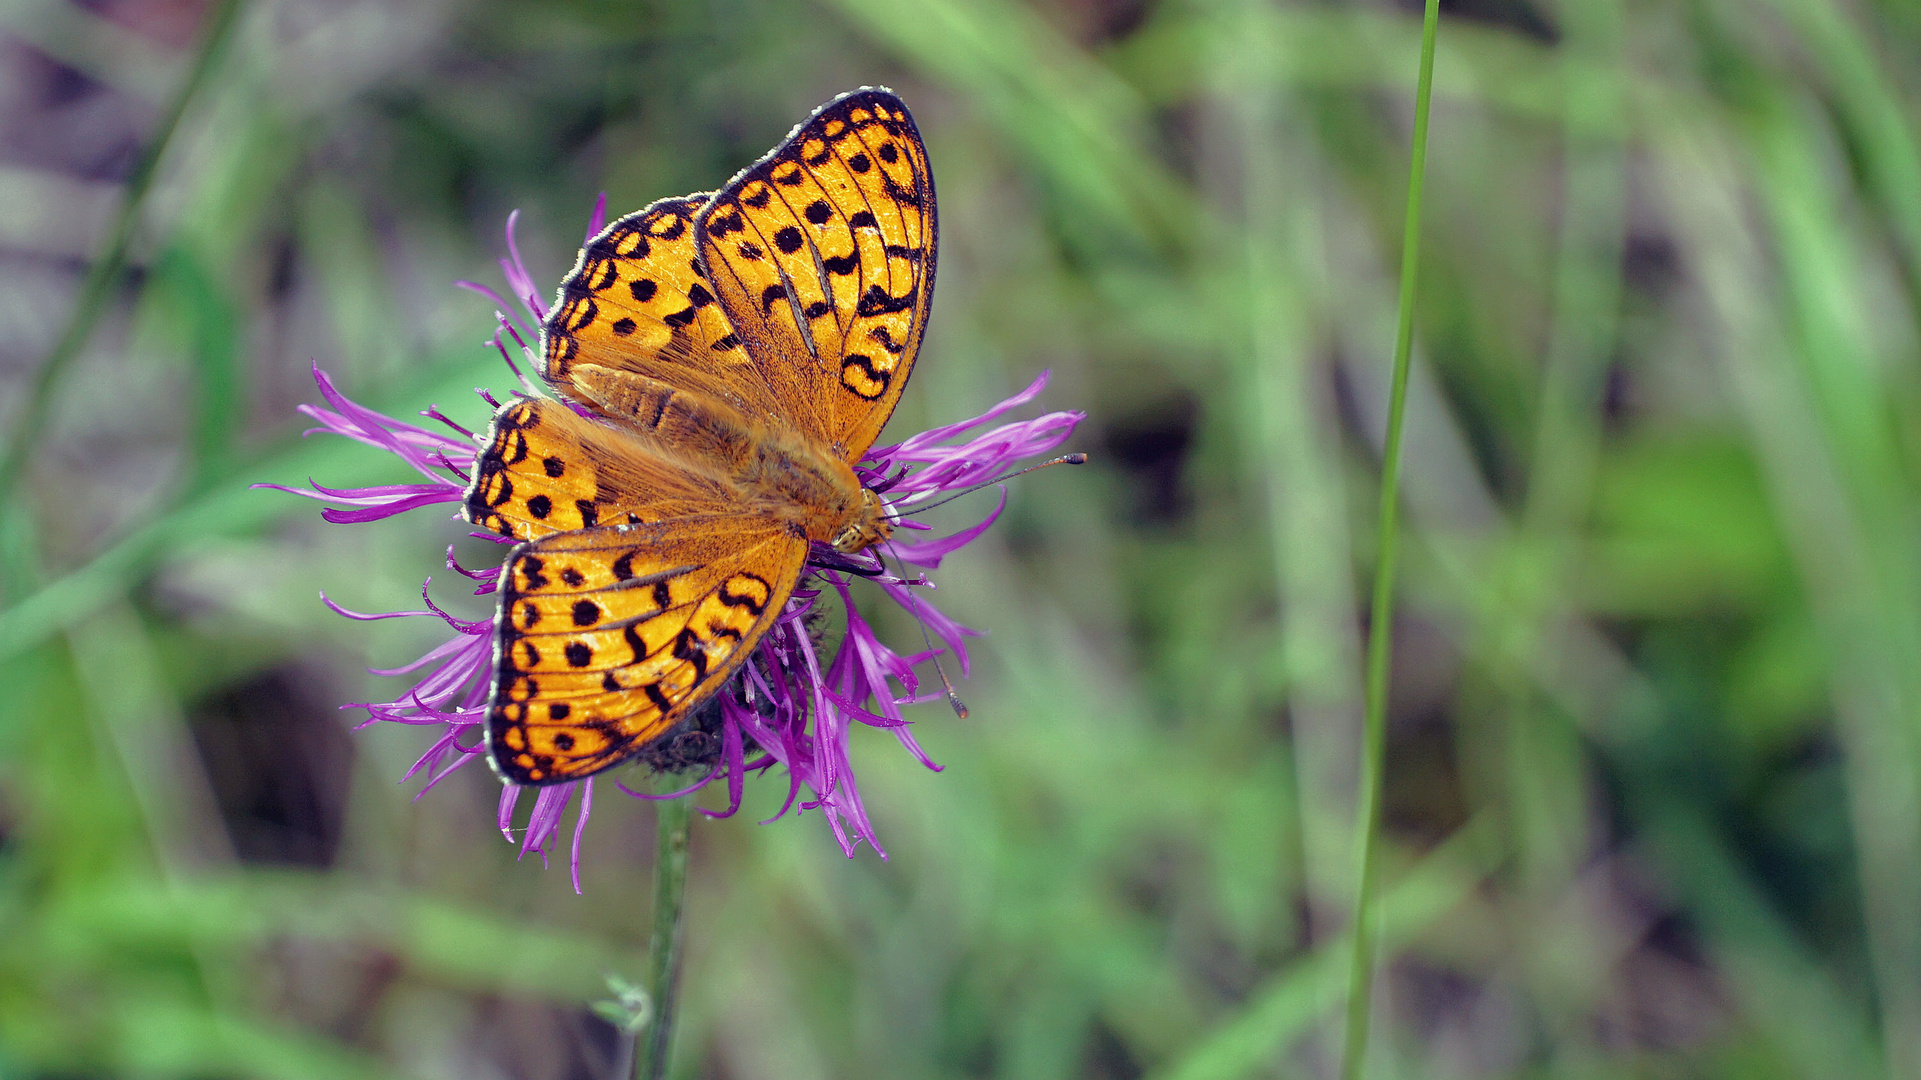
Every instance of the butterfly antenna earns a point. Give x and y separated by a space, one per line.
953 698
1064 459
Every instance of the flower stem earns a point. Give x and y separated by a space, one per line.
1360 995
663 953
105 272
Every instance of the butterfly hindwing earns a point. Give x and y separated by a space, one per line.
608 637
546 470
822 256
637 301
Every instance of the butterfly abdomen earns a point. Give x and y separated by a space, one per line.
689 425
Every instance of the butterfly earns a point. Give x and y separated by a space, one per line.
721 362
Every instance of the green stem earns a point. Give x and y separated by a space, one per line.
663 953
105 272
1360 995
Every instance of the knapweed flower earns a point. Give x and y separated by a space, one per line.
788 706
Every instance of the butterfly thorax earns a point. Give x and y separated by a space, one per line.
805 484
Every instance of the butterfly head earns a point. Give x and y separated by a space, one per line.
870 526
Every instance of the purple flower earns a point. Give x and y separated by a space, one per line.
789 708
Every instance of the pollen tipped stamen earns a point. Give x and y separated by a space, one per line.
447 463
501 347
432 412
477 575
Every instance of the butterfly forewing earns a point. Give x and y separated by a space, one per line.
608 637
637 301
822 256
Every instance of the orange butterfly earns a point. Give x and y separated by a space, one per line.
739 353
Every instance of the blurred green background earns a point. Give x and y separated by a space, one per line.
1653 805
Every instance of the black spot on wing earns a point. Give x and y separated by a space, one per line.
903 196
876 378
753 592
582 311
532 570
886 339
688 647
608 246
875 301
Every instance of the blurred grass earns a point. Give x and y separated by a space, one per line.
1652 802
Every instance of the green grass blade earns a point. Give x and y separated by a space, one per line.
1381 612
